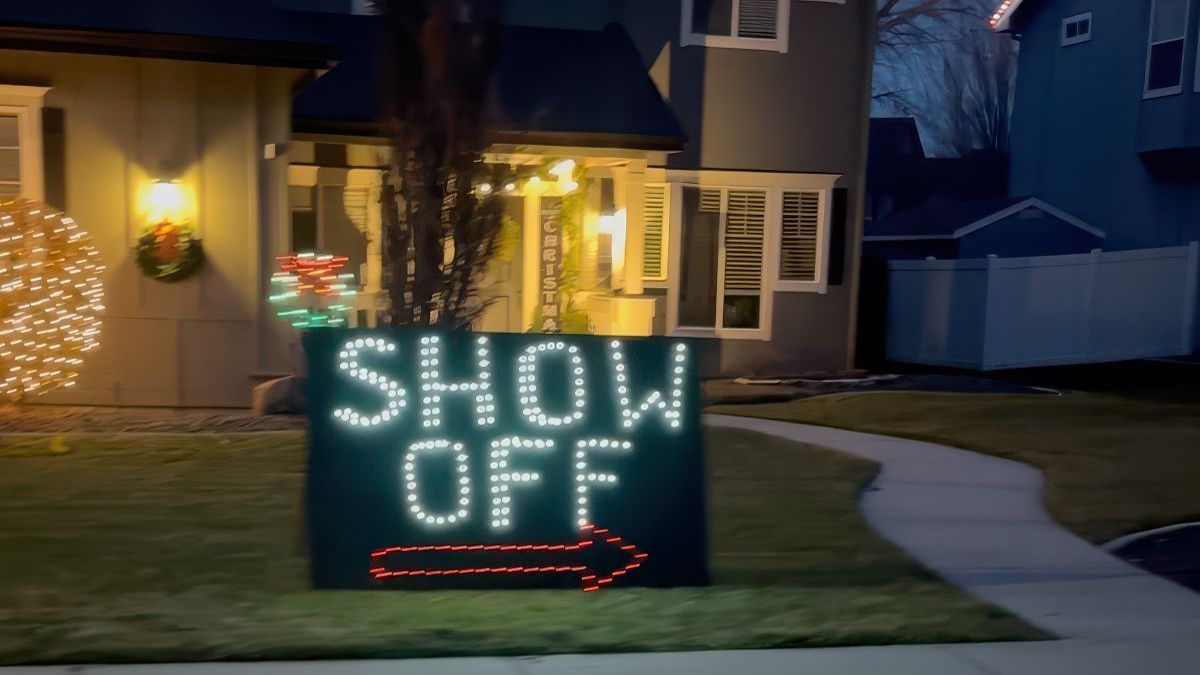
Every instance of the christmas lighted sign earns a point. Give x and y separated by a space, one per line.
456 459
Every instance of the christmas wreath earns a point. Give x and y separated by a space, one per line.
169 252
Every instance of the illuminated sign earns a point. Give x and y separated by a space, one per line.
551 259
456 459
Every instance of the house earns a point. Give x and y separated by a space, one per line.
723 170
895 167
117 102
1106 124
721 156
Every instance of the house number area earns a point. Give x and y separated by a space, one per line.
457 459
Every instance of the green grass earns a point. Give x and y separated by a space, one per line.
152 548
1113 465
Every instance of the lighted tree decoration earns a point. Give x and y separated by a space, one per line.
51 297
309 292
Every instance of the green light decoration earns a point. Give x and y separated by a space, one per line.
309 292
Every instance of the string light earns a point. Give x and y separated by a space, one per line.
585 478
51 298
310 291
502 478
415 507
591 581
397 397
527 384
671 406
432 389
1001 11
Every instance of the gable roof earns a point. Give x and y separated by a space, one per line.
552 87
235 31
953 219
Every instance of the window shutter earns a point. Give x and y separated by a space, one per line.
798 246
757 19
745 222
710 201
653 217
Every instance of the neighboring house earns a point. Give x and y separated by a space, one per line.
725 151
1008 227
109 97
896 167
722 198
1106 123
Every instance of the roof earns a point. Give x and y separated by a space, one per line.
238 31
1001 17
952 219
553 87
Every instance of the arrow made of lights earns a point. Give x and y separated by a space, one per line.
566 558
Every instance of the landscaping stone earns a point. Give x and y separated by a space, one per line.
283 395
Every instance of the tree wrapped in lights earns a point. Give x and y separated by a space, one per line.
51 297
310 292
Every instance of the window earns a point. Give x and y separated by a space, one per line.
1164 59
799 236
10 155
1076 29
737 243
739 24
21 141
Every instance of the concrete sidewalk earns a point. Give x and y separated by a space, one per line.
976 520
1059 657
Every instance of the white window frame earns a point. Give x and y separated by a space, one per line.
26 103
774 184
690 38
1196 88
1148 93
1078 39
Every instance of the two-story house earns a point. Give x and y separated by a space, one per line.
1106 123
717 148
722 151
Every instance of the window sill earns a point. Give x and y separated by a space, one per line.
730 42
1160 93
782 286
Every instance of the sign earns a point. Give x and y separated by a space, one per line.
476 460
550 263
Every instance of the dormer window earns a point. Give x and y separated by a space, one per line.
1076 29
736 24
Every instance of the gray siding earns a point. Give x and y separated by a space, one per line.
800 112
1075 133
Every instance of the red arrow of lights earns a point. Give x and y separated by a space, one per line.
592 536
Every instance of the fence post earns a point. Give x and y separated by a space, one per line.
985 356
1191 290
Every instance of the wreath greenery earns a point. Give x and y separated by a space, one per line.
169 252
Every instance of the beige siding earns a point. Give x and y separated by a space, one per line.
127 122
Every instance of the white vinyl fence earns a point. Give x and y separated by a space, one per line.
995 313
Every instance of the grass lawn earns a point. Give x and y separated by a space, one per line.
1113 465
156 547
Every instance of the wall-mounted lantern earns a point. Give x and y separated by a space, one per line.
169 248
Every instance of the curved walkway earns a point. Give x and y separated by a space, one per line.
978 521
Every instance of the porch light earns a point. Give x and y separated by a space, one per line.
485 188
164 201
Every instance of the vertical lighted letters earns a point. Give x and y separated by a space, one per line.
501 477
671 405
394 393
432 389
527 384
585 477
416 507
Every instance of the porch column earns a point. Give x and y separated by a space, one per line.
635 231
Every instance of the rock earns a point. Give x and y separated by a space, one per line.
281 396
